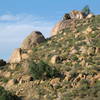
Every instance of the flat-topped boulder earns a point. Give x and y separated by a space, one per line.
32 40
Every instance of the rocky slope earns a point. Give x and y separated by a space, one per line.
65 66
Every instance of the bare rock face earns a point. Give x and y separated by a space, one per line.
90 15
76 14
67 21
16 56
61 25
2 62
33 39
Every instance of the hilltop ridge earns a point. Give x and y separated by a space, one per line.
65 66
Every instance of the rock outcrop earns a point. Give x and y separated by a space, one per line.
16 56
32 40
76 14
68 19
64 67
61 25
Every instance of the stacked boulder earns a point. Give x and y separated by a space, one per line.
68 20
76 15
30 42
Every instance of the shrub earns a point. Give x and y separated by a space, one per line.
42 70
86 10
3 79
84 84
6 95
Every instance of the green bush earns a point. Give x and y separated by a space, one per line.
6 95
42 70
3 79
86 10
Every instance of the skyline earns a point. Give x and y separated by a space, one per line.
19 18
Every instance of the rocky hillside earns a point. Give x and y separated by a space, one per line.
65 66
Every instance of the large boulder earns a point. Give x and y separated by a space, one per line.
76 14
2 62
32 40
16 56
62 25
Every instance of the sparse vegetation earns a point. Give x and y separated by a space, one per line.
76 76
6 95
3 79
42 70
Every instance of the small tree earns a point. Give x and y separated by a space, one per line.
42 70
86 10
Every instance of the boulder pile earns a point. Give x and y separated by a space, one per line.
68 20
30 42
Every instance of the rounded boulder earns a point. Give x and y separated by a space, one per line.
32 40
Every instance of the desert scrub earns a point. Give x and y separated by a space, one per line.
81 28
42 70
6 95
3 79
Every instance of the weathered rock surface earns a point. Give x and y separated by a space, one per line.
90 15
68 20
32 40
13 66
73 60
76 14
7 74
61 25
16 56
